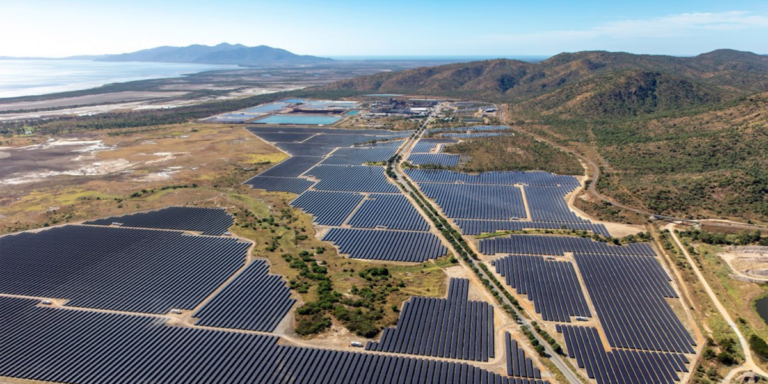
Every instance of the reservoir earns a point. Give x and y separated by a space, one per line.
299 120
762 308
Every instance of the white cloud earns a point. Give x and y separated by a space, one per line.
686 24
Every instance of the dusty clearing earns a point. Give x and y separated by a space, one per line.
115 97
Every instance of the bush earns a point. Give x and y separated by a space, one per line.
758 346
725 358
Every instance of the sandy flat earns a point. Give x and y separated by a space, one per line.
114 97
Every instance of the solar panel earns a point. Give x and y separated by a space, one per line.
558 245
72 346
208 221
280 184
402 245
620 365
629 295
254 301
474 227
517 363
390 212
329 208
477 201
552 285
443 159
352 178
125 269
452 328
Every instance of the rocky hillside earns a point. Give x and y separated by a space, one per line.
586 83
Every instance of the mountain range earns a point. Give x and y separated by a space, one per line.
235 54
681 136
594 83
232 54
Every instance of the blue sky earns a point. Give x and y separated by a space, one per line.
358 28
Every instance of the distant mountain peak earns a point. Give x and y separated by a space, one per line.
223 53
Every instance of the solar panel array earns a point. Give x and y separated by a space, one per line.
452 328
390 212
558 245
71 346
254 301
124 269
311 146
476 128
620 365
474 135
327 155
517 363
352 178
292 166
496 178
209 221
329 208
403 245
428 145
477 201
629 296
552 285
547 203
443 159
280 184
285 137
360 155
476 227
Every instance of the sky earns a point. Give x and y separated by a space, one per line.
504 28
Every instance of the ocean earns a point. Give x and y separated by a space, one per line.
38 77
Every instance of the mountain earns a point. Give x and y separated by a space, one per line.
680 136
235 54
592 83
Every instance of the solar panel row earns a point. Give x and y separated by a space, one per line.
329 208
402 246
443 159
352 178
390 212
552 285
535 178
428 145
209 221
71 346
292 166
547 203
284 137
517 363
136 270
254 301
477 201
476 128
620 366
558 245
452 328
476 227
629 296
360 155
280 184
474 135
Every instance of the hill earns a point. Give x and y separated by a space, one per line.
235 54
586 83
673 135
